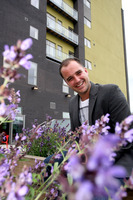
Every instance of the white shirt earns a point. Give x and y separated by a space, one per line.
84 111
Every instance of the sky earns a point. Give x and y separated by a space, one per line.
127 6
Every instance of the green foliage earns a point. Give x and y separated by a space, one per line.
1 156
50 141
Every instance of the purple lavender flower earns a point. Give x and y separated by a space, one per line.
48 118
18 193
16 137
11 111
58 156
105 130
23 138
14 97
23 191
129 135
18 93
85 126
129 119
9 54
74 167
118 128
8 111
52 190
105 179
9 74
120 194
84 191
25 61
26 44
29 178
39 131
100 156
4 171
2 109
25 177
106 118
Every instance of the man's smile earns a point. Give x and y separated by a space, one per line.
80 84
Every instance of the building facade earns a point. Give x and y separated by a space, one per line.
91 30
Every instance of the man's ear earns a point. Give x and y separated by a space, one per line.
86 70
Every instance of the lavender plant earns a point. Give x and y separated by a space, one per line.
49 141
12 187
86 171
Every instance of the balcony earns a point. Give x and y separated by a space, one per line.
55 54
64 8
61 32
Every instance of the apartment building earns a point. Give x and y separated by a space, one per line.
91 30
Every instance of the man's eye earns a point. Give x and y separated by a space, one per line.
69 79
79 72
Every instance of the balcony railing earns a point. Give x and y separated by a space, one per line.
66 8
55 54
59 29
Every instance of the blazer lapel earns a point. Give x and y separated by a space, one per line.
76 111
92 100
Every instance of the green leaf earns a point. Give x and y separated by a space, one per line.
36 177
70 179
55 166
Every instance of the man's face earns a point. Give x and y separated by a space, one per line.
76 77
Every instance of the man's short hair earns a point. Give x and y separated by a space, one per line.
66 62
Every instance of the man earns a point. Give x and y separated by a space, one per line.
93 101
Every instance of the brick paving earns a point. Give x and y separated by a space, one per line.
28 161
24 161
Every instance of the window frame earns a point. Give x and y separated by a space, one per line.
87 42
35 3
30 76
34 32
88 64
87 22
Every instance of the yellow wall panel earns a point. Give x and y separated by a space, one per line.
107 48
69 2
65 22
65 46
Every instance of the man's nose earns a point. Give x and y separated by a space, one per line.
77 79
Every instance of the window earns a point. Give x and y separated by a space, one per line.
88 64
87 22
65 115
87 43
65 87
87 3
59 50
51 16
59 25
51 21
50 48
52 105
35 3
59 2
32 74
34 32
59 22
70 32
71 54
19 110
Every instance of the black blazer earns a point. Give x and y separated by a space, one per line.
105 99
